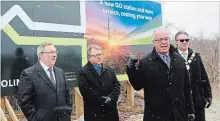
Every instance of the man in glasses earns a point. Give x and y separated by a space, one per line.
42 91
99 87
201 89
163 76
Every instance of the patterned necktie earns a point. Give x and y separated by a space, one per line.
98 69
51 76
166 60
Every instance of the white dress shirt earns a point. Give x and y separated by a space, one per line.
165 58
46 69
184 55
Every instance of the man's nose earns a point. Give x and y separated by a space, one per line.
54 55
163 41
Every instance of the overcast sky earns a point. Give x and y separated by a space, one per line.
193 17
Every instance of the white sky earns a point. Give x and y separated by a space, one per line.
193 17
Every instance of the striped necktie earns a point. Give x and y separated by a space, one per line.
166 60
184 55
51 76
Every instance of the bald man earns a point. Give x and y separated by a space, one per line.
165 80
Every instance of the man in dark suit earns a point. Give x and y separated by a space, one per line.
42 91
163 76
99 87
201 89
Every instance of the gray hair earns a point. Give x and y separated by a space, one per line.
40 48
181 33
90 47
157 29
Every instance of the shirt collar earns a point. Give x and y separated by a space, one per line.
161 55
45 67
182 51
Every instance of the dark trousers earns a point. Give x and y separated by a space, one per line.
148 116
199 114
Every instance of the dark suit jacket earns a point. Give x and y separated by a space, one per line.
167 91
201 88
38 97
92 87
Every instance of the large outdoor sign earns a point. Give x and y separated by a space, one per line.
121 28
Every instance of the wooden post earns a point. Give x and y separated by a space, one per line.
78 103
10 110
2 117
18 115
2 102
6 105
130 94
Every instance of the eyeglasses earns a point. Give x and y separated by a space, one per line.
97 55
51 52
182 40
161 39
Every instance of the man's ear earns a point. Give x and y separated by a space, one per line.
153 42
176 44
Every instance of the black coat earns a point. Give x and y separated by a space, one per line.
167 91
92 87
38 97
201 88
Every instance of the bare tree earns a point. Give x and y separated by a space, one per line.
209 51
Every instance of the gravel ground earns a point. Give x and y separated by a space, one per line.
212 113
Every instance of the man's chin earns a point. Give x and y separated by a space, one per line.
52 64
164 52
186 48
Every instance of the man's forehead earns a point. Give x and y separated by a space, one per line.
49 46
160 33
161 36
182 36
95 50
